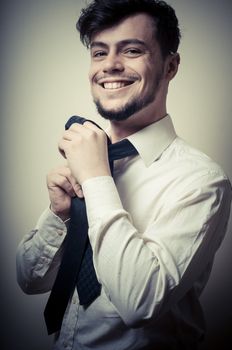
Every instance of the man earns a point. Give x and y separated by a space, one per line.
154 227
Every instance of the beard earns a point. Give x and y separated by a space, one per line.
132 106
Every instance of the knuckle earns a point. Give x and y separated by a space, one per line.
73 127
92 134
63 182
102 133
51 173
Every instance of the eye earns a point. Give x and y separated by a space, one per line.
132 52
98 54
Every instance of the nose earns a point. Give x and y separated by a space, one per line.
113 64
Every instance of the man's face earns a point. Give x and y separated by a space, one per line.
126 67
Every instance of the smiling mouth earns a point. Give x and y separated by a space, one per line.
116 85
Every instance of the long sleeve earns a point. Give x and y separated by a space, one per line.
39 254
145 273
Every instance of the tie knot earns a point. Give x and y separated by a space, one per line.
121 149
118 150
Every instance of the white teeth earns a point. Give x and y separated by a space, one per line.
114 85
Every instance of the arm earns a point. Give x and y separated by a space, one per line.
40 251
145 274
39 254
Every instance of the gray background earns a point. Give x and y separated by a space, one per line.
44 81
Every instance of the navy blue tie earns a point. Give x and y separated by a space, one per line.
76 269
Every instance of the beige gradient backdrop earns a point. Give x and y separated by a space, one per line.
43 82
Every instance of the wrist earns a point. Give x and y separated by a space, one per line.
63 215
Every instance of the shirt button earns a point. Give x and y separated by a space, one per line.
60 232
65 345
74 300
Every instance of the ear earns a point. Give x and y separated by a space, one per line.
171 65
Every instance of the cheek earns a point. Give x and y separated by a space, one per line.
142 68
92 72
90 76
147 78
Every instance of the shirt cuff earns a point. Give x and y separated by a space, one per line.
51 228
101 197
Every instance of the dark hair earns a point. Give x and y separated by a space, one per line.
102 14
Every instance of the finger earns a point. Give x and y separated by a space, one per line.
69 134
92 126
94 129
75 128
76 186
62 144
62 182
85 129
66 172
63 178
78 190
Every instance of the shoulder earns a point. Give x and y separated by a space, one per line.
192 159
190 168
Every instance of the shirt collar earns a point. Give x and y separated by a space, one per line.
152 140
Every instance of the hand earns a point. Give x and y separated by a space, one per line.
62 186
85 147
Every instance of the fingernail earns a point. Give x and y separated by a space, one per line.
80 193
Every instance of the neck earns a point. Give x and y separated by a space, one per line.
119 130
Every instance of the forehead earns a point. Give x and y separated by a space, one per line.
139 26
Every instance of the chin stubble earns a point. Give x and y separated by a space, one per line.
133 106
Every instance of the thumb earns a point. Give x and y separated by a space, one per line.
78 190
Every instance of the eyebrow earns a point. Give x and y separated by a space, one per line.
120 43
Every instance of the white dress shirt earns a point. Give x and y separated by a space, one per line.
154 231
